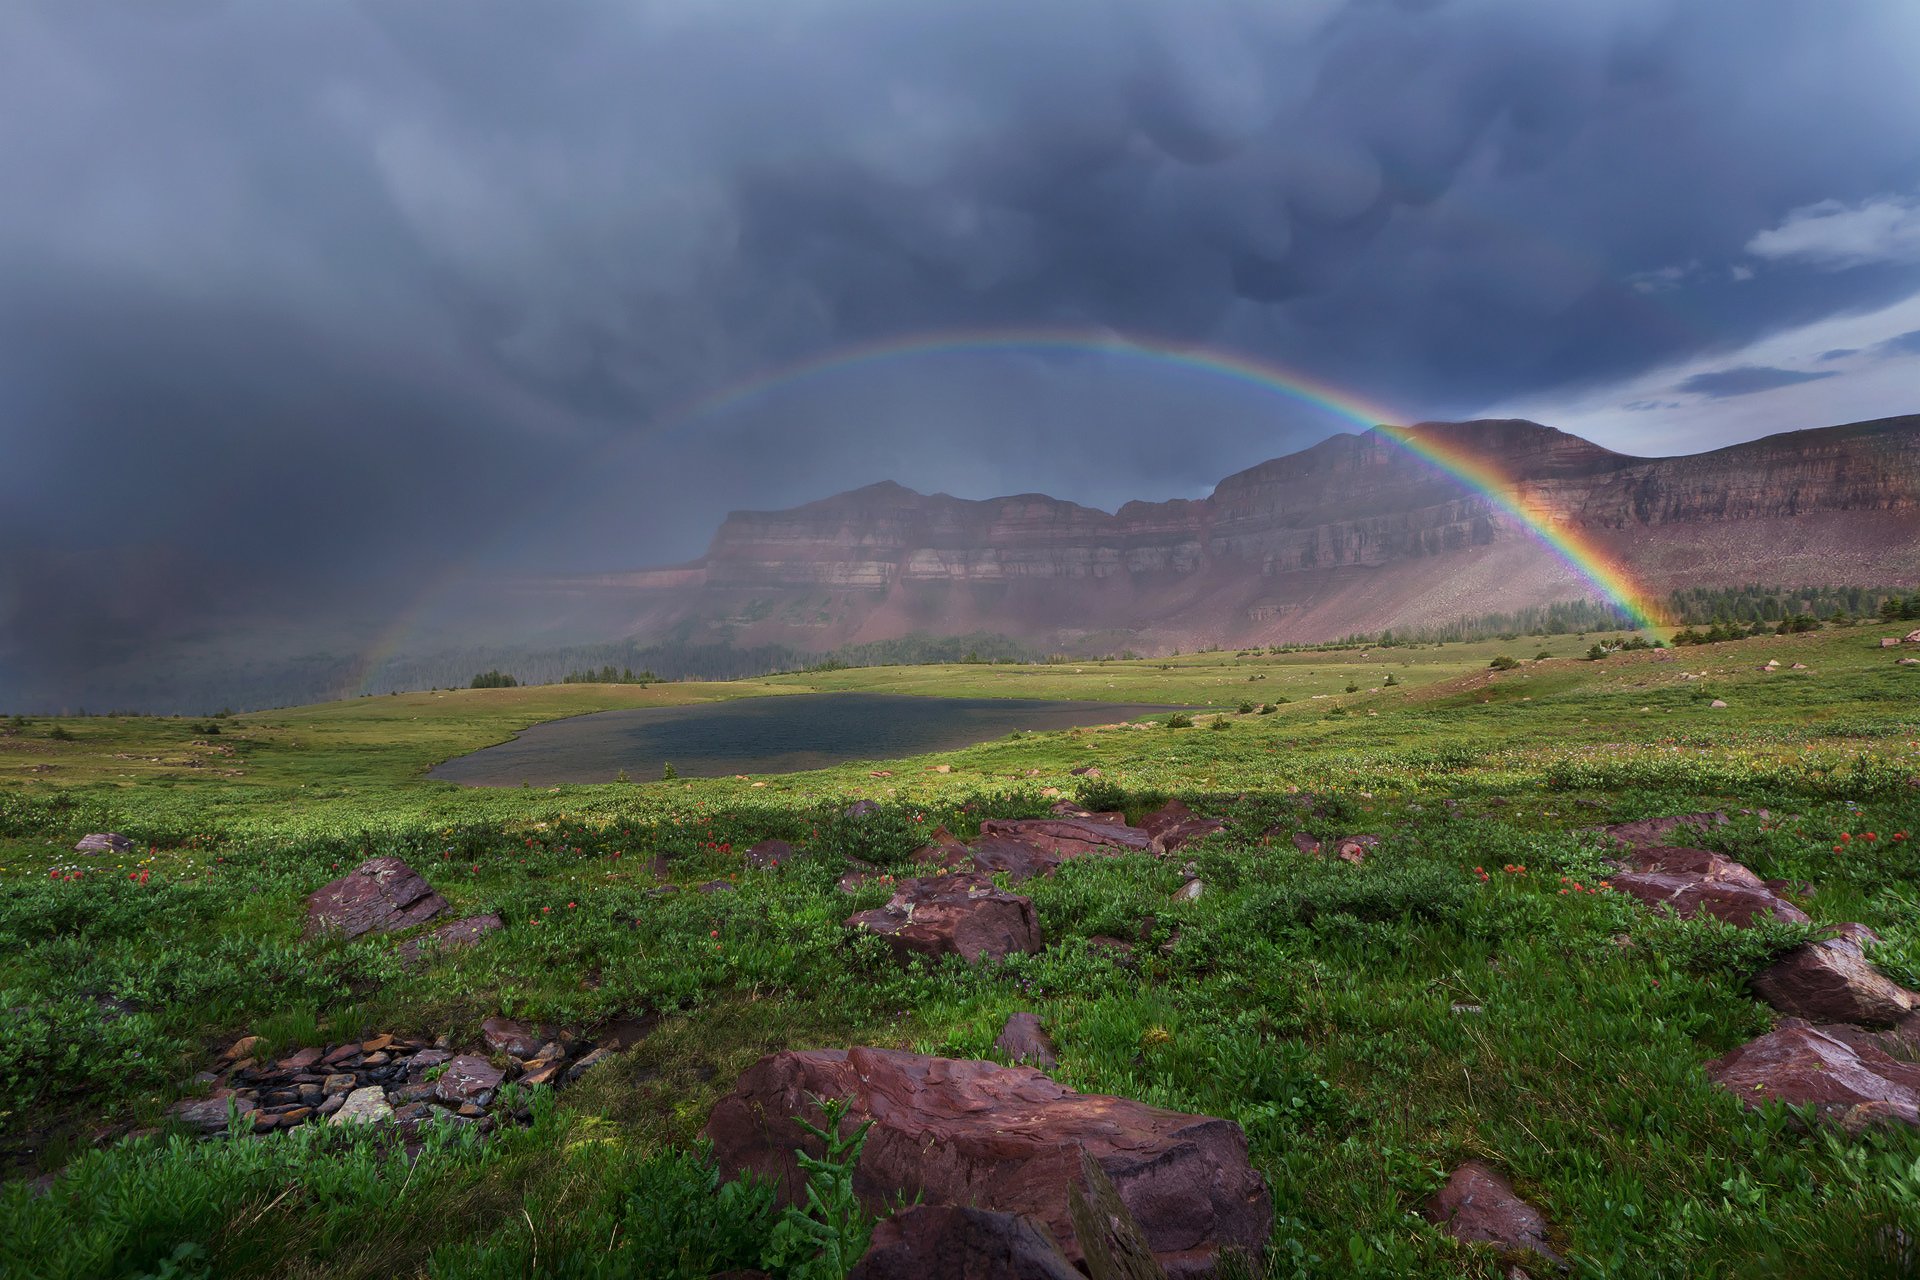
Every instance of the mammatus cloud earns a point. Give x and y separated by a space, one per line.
1745 381
1835 236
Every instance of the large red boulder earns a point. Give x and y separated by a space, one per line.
1704 864
1006 1139
958 915
1654 831
1478 1205
1173 825
1853 1084
447 937
951 1242
1692 895
1831 981
1070 837
378 896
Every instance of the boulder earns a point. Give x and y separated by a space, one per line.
1831 981
1004 1139
504 1035
104 842
1912 637
952 1242
1354 849
467 1079
1306 844
455 933
378 896
1479 1205
1853 1084
1702 864
860 809
1689 896
965 916
1071 837
1173 825
209 1115
1652 831
769 854
1023 1039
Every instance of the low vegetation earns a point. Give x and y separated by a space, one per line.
1369 1026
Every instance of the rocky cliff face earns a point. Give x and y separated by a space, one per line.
1357 532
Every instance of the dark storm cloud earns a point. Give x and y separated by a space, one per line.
314 298
1718 384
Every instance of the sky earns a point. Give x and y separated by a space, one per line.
308 305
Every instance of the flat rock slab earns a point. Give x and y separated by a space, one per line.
1023 1039
1652 831
965 916
104 842
1689 896
1704 864
1071 837
1831 981
1479 1205
769 854
504 1035
1853 1084
209 1115
467 1079
1174 825
949 1242
455 933
1005 1139
378 896
364 1106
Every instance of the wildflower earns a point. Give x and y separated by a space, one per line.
544 910
569 906
714 933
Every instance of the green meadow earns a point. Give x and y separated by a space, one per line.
1369 1026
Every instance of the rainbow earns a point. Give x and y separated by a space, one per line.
1584 557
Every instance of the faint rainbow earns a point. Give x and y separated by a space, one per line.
1580 554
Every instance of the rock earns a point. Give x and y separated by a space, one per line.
1889 642
951 1242
1354 848
363 1106
504 1035
1654 831
1174 825
341 1082
209 1115
588 1063
1479 1205
1912 637
241 1048
1306 844
965 916
300 1060
1023 1039
860 809
1070 837
1702 864
1689 896
467 1079
1854 1084
104 842
543 1072
1004 1139
771 853
1190 891
716 886
455 933
1085 771
427 1058
1832 981
378 896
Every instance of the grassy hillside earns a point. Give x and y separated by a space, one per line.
1316 1003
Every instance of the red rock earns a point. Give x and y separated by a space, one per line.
1070 837
467 1079
965 916
504 1035
241 1048
455 933
1354 848
1306 844
299 1061
1690 896
1831 981
378 896
1479 1205
1173 825
771 853
1702 863
339 1054
544 1073
1024 1040
950 1242
1005 1139
1654 831
1855 1085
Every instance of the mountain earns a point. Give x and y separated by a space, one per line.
1358 533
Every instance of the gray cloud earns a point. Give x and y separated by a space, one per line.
1839 353
326 301
1903 344
1719 384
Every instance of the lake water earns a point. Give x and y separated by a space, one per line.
781 734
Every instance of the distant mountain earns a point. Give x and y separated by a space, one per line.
1357 533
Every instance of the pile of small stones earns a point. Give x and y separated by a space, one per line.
387 1080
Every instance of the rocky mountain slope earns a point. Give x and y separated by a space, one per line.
1358 533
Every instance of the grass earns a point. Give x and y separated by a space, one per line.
1313 1002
